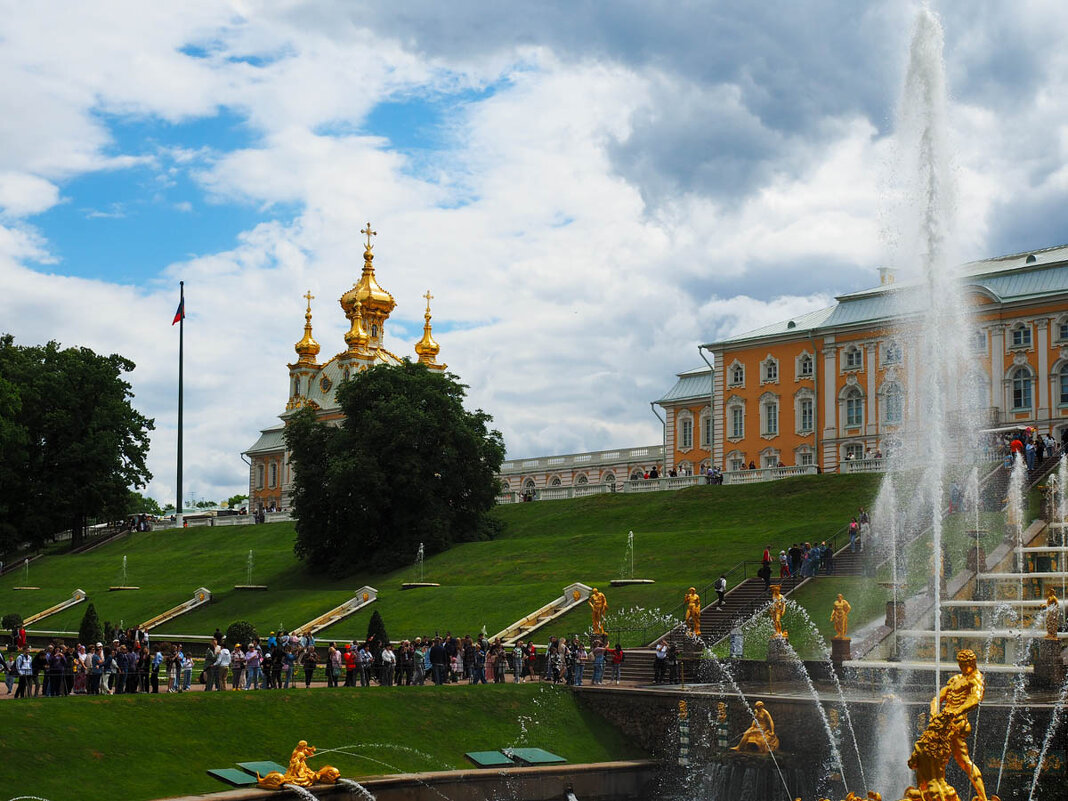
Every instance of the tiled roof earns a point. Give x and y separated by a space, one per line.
270 440
804 322
691 384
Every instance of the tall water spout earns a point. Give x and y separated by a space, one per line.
124 570
626 570
248 568
419 560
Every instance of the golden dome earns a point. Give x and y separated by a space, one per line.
427 348
357 337
307 349
377 302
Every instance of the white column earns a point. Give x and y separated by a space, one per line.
1042 343
997 369
871 421
829 450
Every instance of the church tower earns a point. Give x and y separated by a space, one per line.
374 303
427 349
303 372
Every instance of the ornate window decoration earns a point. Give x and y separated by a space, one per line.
581 479
1060 329
852 358
804 411
555 481
735 460
1021 386
769 370
977 341
684 430
804 456
325 384
1020 336
851 401
893 403
736 374
345 374
769 457
735 418
892 353
804 366
769 415
609 478
706 429
684 469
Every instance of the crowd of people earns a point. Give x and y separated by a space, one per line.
131 664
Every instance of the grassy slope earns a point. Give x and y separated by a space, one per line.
682 538
79 745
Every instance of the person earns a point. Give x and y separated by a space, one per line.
517 662
660 662
766 558
437 661
598 653
333 665
309 661
253 658
157 663
365 660
617 662
478 668
209 667
765 574
389 664
187 669
784 565
854 535
238 660
24 668
721 590
580 663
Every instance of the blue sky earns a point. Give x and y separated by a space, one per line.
589 190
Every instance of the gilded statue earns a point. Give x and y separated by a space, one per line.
760 736
599 604
840 618
693 611
298 772
946 735
1053 614
777 610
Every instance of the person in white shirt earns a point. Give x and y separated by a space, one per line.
389 662
222 663
660 663
24 667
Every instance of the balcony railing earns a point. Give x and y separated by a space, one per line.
767 474
863 466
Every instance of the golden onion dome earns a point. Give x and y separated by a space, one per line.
427 348
307 349
357 337
375 300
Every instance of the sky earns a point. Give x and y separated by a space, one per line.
589 190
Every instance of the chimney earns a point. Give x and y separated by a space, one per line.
886 276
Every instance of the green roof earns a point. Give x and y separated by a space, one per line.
691 384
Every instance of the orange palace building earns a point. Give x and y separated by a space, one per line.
367 307
828 388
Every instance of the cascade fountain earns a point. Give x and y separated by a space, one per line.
420 555
26 577
124 583
626 569
250 562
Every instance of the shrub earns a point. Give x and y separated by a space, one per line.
377 629
240 631
89 632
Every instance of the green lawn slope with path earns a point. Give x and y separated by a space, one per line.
682 538
156 746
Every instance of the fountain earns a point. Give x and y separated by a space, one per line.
124 584
26 577
413 585
626 570
248 585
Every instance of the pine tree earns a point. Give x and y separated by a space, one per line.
377 629
89 632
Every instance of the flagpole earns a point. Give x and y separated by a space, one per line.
181 357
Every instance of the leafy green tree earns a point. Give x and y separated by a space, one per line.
240 631
376 631
142 504
407 465
72 444
89 632
168 508
12 622
236 501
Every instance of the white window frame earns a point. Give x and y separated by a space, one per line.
736 374
801 397
1026 337
770 458
706 429
850 354
856 448
1061 385
1025 376
979 341
1060 329
769 370
734 460
802 358
735 406
769 416
852 395
684 430
273 475
260 475
804 456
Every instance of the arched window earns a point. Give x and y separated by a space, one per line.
769 417
609 478
528 484
769 370
345 374
296 385
1063 383
637 475
1021 388
684 434
374 331
555 482
581 479
259 476
854 408
274 474
736 374
804 366
893 407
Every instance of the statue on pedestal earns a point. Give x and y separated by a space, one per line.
760 736
1053 614
946 735
693 611
776 610
840 618
599 604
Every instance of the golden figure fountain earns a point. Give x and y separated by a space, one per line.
946 736
693 612
840 620
760 736
1053 614
777 610
598 606
298 773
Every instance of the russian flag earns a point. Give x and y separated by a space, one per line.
180 314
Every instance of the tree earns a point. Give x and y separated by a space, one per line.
376 631
89 632
234 501
240 631
71 445
407 465
141 504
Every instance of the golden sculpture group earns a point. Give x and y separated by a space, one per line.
298 773
760 736
693 611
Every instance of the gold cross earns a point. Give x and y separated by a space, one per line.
429 298
310 298
369 233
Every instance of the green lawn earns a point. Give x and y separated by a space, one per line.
144 746
682 538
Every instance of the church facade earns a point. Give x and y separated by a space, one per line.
367 307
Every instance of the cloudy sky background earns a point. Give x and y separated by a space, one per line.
589 190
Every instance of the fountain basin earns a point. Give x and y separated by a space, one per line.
250 586
415 585
628 582
115 589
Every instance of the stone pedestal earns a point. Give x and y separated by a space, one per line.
895 610
975 560
840 651
1049 669
781 662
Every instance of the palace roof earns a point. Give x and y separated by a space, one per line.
696 383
